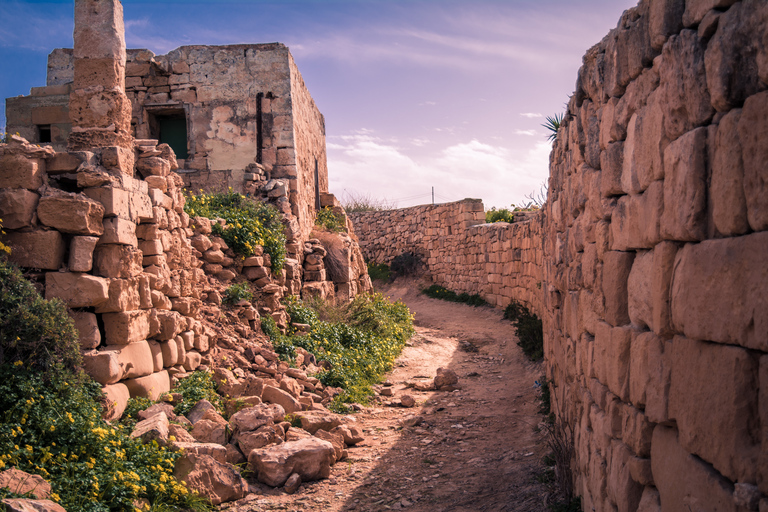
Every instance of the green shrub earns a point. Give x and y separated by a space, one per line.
438 292
195 387
249 223
529 328
405 264
378 271
237 292
34 330
299 312
359 350
330 220
53 428
500 215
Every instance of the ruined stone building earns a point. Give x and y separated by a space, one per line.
232 114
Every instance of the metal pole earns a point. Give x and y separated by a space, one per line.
433 195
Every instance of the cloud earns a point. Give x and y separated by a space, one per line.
531 115
366 165
526 132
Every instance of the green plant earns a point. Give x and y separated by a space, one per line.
196 386
249 224
299 312
131 413
378 271
3 248
500 215
357 350
330 220
405 264
552 123
530 331
438 292
34 330
237 292
51 426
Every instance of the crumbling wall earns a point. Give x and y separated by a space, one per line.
655 248
499 262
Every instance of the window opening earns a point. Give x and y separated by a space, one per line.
169 126
44 133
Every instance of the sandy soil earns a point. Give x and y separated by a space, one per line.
475 449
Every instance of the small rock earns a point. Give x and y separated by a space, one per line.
156 409
293 483
412 420
446 380
407 401
198 411
386 392
309 457
152 429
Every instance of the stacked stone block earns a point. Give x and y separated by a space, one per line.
500 262
655 243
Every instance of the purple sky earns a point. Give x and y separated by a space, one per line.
416 93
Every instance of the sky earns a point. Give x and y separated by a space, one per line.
416 94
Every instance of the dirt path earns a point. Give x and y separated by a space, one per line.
474 449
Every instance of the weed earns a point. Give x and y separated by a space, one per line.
195 387
552 124
405 264
330 220
3 248
379 271
529 328
438 292
237 292
249 223
500 215
364 203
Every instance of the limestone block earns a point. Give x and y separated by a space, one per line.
17 207
666 19
141 207
621 488
636 431
278 396
116 202
123 296
685 482
147 231
695 10
611 165
116 397
685 188
192 360
157 355
81 253
97 107
715 272
151 386
19 171
117 261
713 396
119 231
167 324
153 166
219 482
310 457
170 353
616 268
650 500
71 213
661 279
125 327
87 329
683 84
65 162
75 289
187 306
612 358
753 126
103 367
732 70
119 160
726 192
108 73
99 33
36 249
640 293
635 223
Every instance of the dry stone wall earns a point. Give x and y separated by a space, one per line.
651 251
656 243
499 261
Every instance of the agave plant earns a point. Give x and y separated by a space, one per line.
553 124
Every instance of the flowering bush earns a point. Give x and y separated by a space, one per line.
249 223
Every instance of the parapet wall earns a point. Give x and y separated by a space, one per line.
651 251
499 262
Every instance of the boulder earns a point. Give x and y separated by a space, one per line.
217 481
279 396
20 482
252 418
152 429
24 505
207 431
310 458
157 408
446 380
259 438
312 421
336 439
352 434
198 411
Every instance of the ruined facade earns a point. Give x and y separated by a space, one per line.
653 244
234 115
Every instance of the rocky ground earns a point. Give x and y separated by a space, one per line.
473 449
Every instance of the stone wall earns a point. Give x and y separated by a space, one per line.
652 257
499 261
656 243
